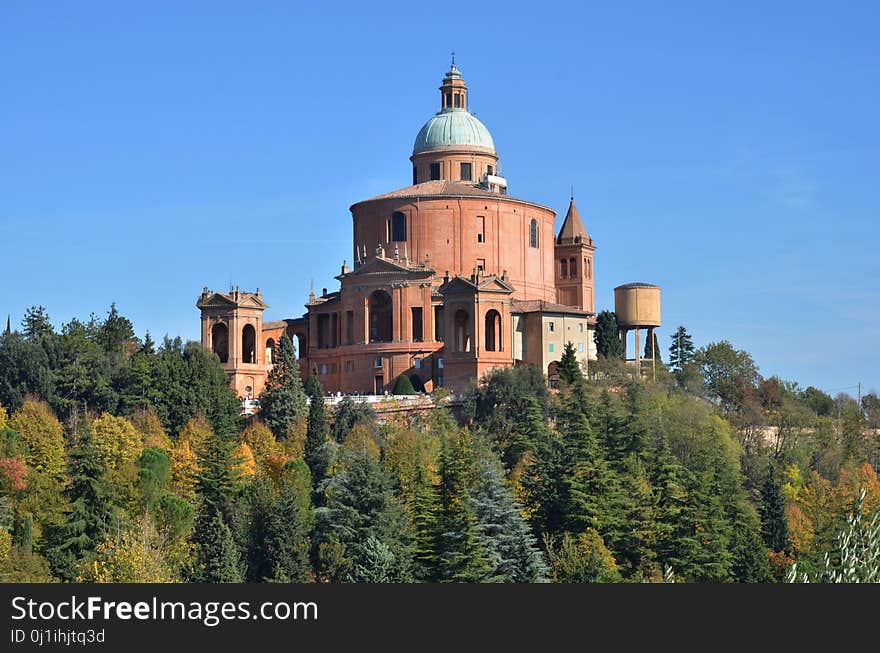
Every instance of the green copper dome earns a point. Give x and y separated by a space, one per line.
450 128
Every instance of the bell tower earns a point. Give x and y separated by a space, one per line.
232 328
573 255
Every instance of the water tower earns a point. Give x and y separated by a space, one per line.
637 306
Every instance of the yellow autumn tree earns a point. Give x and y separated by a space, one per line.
42 432
261 440
5 544
184 469
852 480
3 417
246 467
134 556
149 428
196 432
116 440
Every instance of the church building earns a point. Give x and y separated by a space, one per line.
451 277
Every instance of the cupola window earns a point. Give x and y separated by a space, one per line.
466 172
435 171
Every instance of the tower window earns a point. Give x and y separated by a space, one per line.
573 267
449 99
465 171
415 175
563 268
481 228
481 264
457 100
533 233
398 227
435 171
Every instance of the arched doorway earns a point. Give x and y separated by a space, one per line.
462 332
220 341
381 317
248 344
270 351
493 330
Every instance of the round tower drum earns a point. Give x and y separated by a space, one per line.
637 305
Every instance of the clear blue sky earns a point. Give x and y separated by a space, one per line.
728 152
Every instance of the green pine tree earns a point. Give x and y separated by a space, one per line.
569 369
682 350
461 556
504 534
287 539
91 512
283 399
217 557
360 506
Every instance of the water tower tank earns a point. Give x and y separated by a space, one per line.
637 305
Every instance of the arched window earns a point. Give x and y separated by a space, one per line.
248 344
398 227
381 317
220 341
533 233
462 335
493 330
270 351
563 268
588 268
573 268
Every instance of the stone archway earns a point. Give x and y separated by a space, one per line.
220 341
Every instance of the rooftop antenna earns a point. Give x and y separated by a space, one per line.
453 58
572 192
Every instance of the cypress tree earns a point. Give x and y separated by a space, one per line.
404 386
317 451
607 336
283 399
652 348
774 526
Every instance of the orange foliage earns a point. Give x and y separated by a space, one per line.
13 474
274 464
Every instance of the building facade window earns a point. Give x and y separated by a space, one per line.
551 327
481 228
417 333
493 330
580 347
563 268
581 327
349 366
398 227
481 264
220 341
551 347
435 171
573 267
465 172
533 233
490 170
377 362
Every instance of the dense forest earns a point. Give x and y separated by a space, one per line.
125 460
